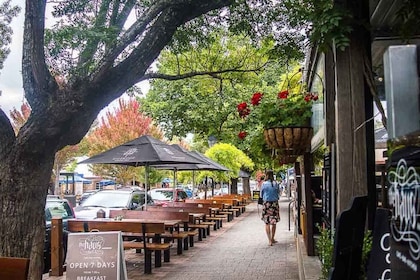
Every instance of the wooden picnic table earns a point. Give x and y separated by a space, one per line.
130 227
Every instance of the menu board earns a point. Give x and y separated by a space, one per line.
95 256
404 199
255 195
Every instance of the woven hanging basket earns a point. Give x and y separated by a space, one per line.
284 156
287 159
292 140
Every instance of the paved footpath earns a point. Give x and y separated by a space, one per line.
239 250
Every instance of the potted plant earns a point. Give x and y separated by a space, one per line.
284 116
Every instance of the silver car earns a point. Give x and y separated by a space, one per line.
111 199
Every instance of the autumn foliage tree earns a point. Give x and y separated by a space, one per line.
115 128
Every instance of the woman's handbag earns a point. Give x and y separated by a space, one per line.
260 200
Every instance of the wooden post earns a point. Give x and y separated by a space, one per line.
353 166
306 176
57 252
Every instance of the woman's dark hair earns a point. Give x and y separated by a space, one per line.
269 175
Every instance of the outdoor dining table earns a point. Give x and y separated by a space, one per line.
196 217
170 225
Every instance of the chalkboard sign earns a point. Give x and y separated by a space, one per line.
379 261
255 195
95 256
404 199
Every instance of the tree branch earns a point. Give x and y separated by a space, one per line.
130 36
37 81
198 73
158 36
92 44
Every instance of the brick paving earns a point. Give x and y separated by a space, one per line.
237 251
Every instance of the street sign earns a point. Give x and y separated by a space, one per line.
95 256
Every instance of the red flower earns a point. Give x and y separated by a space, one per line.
243 109
242 134
256 98
308 97
242 106
314 96
283 94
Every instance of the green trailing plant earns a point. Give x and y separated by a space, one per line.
367 247
325 246
325 249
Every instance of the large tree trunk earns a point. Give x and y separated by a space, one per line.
25 172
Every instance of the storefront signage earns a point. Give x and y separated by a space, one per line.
95 256
404 199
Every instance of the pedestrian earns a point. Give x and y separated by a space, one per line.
271 213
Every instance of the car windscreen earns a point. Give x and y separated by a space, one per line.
182 195
57 208
162 195
108 199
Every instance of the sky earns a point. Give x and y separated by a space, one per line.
11 85
10 76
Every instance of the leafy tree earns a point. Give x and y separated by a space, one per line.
206 105
7 13
93 54
229 156
124 124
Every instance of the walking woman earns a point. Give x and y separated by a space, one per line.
271 213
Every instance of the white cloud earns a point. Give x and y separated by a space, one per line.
10 75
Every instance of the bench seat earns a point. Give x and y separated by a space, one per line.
180 237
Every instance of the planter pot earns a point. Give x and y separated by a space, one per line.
292 140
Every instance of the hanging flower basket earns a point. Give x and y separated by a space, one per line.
291 140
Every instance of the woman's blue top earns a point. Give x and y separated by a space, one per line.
270 191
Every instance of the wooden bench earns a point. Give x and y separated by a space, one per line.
229 205
243 199
203 227
180 236
216 216
134 229
236 203
14 268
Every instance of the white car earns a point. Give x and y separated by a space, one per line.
111 199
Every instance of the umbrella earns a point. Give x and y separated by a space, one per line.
207 164
144 151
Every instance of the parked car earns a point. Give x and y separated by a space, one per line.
55 207
106 200
86 194
163 196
